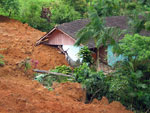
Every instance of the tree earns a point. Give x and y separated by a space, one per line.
62 12
132 75
107 7
79 5
137 50
97 31
10 6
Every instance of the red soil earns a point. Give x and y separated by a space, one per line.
20 94
17 42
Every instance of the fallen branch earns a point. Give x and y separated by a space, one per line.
53 73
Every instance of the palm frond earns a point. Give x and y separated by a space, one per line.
84 37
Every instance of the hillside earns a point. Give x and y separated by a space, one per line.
18 43
20 94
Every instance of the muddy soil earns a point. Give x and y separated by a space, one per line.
17 43
20 94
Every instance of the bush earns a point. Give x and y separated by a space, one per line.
93 82
81 73
86 55
130 88
131 81
131 6
2 63
147 25
96 86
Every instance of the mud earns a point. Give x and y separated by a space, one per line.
20 94
17 43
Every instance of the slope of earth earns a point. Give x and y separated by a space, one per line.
25 96
17 42
20 94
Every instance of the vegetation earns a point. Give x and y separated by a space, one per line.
96 30
2 63
10 6
82 72
132 75
48 79
86 55
129 84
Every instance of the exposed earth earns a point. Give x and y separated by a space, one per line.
19 93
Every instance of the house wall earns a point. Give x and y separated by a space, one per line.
59 38
102 54
112 58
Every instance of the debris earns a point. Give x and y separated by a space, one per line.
53 73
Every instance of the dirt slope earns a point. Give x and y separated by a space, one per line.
20 94
17 42
25 96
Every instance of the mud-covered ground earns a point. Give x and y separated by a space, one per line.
20 94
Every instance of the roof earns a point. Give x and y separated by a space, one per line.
71 28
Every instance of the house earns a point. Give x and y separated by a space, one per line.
65 34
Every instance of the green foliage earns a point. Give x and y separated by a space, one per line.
147 25
10 6
62 12
82 72
137 49
30 12
79 5
2 63
27 64
86 55
131 81
48 79
131 6
62 69
96 86
31 15
129 87
107 7
97 31
136 23
93 82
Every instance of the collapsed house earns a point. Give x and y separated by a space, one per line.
65 34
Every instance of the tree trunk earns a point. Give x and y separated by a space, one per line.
97 60
9 13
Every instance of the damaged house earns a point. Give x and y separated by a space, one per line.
65 34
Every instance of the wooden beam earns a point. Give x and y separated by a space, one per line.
53 73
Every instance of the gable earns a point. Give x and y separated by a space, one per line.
58 37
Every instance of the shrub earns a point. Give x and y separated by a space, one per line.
96 86
130 88
82 72
131 6
86 55
131 81
93 82
2 63
147 25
